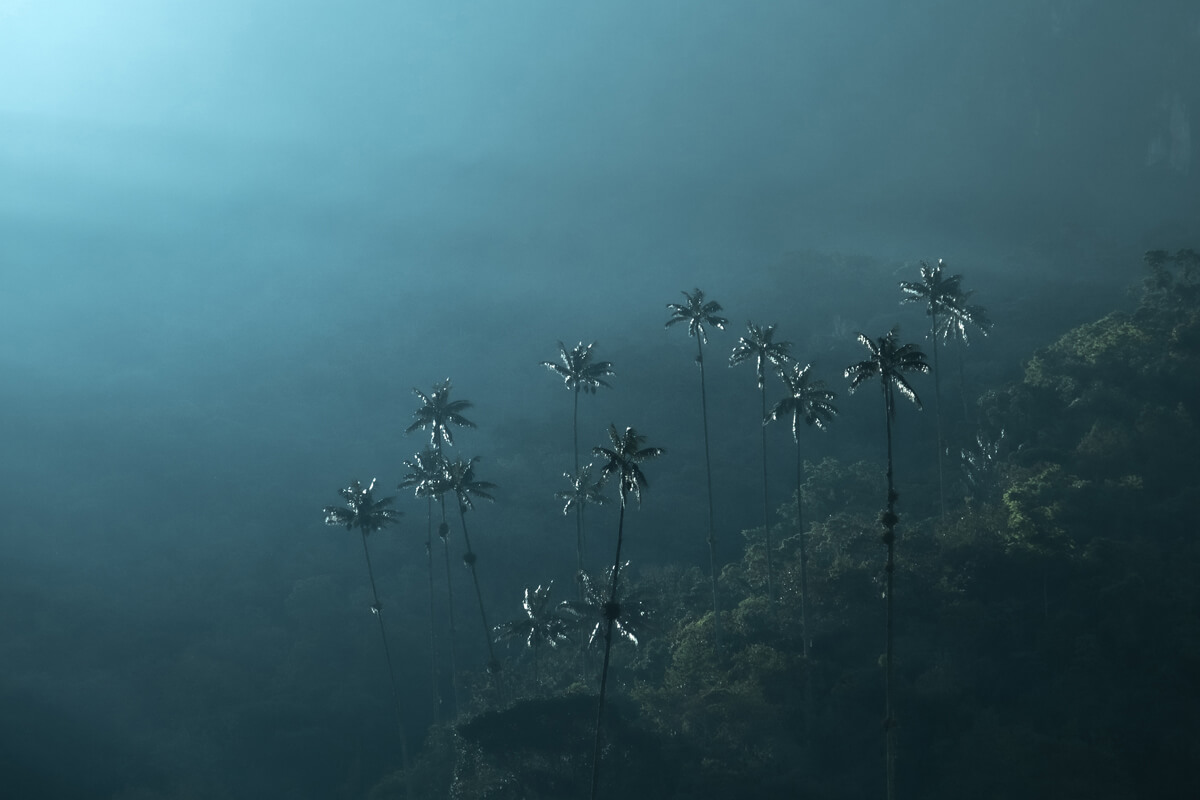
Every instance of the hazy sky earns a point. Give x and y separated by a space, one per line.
235 233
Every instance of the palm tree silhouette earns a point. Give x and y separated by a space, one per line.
946 306
759 344
437 413
888 362
364 512
426 477
460 478
808 401
590 611
697 314
542 624
579 373
623 460
583 492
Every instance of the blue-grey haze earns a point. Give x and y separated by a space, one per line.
235 235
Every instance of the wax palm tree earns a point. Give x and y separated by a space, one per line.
949 314
697 314
622 460
810 402
427 478
590 611
760 346
888 362
954 328
583 492
543 624
579 373
437 413
368 515
460 478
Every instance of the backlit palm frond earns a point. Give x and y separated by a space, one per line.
696 313
460 479
953 324
583 490
888 362
578 371
936 290
362 510
809 400
630 616
542 623
623 460
759 344
426 475
438 412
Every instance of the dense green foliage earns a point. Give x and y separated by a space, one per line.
1048 643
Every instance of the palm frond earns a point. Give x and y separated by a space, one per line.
578 371
438 412
696 313
584 491
808 400
888 362
759 344
623 460
460 479
362 510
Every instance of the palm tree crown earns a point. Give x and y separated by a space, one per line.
759 344
624 457
438 413
888 362
945 302
577 369
696 313
362 510
594 610
542 623
584 491
427 474
460 479
809 400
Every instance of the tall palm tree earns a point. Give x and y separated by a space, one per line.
759 344
460 478
623 460
583 492
426 477
949 314
579 373
542 624
437 413
591 610
808 401
697 314
364 512
889 361
954 329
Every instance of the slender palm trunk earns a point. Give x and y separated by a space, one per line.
808 693
803 548
766 512
889 538
433 661
387 653
444 535
712 538
937 409
493 664
610 611
579 544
